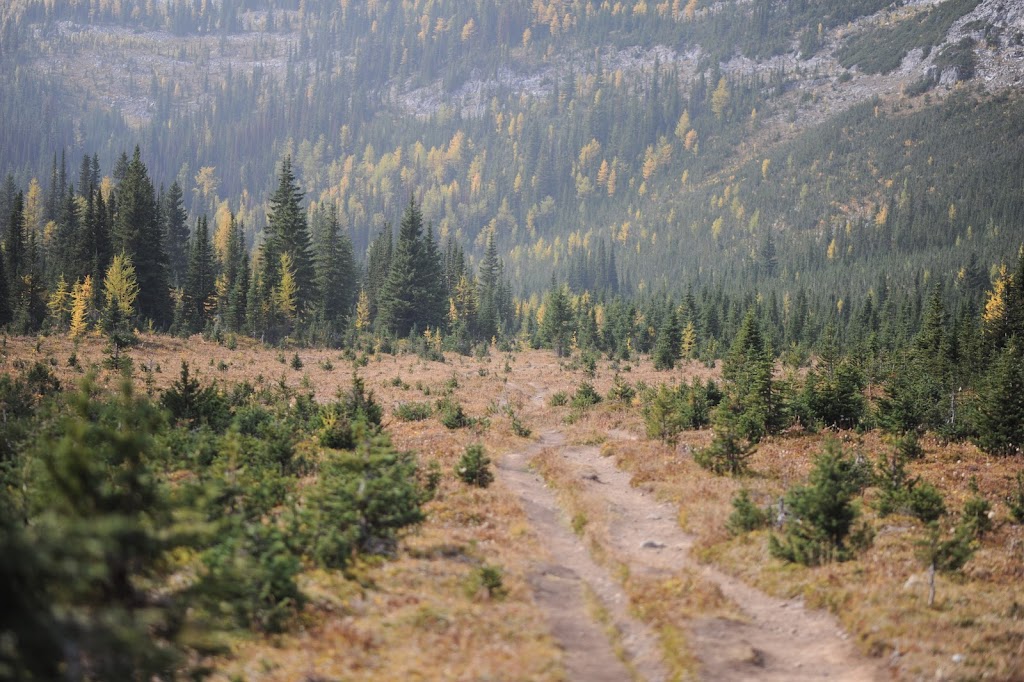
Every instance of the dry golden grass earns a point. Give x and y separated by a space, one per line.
412 618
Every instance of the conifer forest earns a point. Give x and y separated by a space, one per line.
511 340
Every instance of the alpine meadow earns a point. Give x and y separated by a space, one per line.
549 340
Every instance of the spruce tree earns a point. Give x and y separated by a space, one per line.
96 240
335 268
412 295
1000 404
378 266
556 328
669 341
288 232
489 281
175 234
200 278
136 232
235 278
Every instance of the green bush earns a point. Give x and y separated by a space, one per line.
621 391
558 399
822 512
585 396
746 516
474 466
451 414
361 501
413 412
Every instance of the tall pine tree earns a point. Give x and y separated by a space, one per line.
137 233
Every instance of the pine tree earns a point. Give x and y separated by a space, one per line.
14 248
488 279
752 397
335 268
557 326
288 232
1000 404
234 278
6 314
175 234
200 278
669 342
412 294
136 232
822 512
378 266
67 252
97 249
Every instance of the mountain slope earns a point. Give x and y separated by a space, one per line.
665 131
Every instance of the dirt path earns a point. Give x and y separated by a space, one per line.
777 640
561 587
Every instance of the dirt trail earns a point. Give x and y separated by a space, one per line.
561 586
779 640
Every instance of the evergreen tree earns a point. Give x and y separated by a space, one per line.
288 233
97 249
668 345
136 232
488 283
234 280
67 254
822 512
14 248
6 313
335 268
200 279
8 194
1000 404
557 326
175 234
752 397
412 294
378 266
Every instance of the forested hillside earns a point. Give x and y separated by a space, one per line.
666 132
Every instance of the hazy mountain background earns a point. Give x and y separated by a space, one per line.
784 145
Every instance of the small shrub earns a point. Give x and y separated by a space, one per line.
976 517
474 466
559 399
452 383
621 391
413 412
726 455
925 502
296 362
823 512
746 516
489 580
585 396
451 414
517 425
